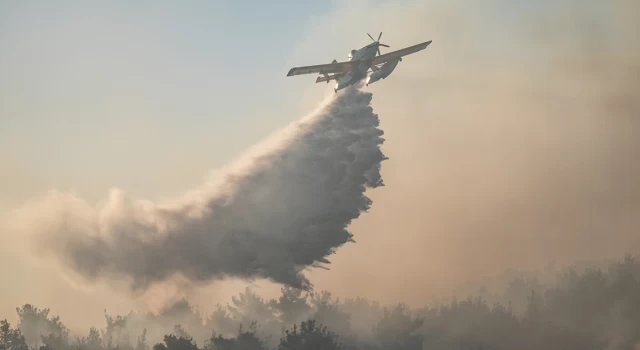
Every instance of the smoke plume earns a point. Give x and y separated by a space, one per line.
271 216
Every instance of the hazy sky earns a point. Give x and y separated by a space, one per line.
512 139
114 88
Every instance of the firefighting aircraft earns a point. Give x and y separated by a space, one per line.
358 65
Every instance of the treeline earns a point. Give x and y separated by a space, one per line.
591 308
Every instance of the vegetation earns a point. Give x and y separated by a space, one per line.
593 308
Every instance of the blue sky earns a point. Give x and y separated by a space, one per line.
83 80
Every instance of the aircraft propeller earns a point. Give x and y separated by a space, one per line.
378 42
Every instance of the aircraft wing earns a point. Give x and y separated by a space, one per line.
338 67
399 53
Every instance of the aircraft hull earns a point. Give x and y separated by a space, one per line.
352 77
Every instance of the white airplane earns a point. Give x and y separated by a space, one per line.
358 65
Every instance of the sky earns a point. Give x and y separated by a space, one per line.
511 138
71 71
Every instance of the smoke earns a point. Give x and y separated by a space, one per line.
273 214
515 141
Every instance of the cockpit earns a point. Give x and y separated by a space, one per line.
351 54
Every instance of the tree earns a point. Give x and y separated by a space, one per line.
221 321
363 314
292 306
142 341
249 307
328 312
245 340
116 333
189 317
180 332
54 341
11 339
309 337
91 342
35 323
172 342
397 330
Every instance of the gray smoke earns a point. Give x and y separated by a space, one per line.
281 211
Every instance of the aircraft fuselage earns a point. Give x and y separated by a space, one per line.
365 55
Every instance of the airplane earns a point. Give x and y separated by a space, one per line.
358 65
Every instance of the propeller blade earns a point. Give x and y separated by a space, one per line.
384 45
370 36
379 36
379 54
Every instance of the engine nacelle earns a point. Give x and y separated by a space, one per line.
383 71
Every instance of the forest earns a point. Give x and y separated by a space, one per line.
575 307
